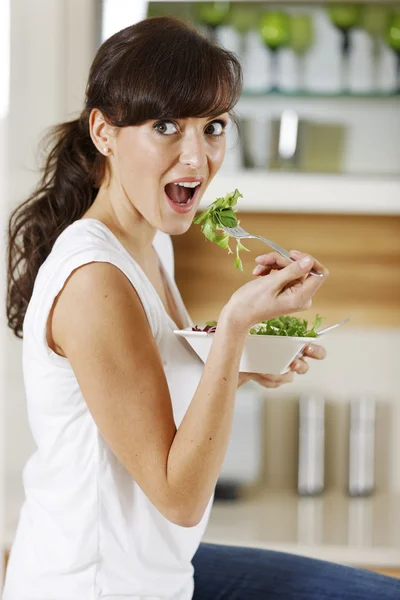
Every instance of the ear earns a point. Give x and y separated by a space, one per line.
101 132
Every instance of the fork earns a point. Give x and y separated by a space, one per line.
239 232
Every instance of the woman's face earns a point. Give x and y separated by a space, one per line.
164 167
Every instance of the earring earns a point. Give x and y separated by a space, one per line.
105 150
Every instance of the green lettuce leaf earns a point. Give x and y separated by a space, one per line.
221 212
287 326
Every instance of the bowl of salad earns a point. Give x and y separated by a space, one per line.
271 346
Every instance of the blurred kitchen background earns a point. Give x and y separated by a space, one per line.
312 467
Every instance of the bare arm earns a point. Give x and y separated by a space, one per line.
200 444
99 322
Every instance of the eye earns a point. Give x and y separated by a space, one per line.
165 127
216 128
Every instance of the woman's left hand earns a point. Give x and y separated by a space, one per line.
299 366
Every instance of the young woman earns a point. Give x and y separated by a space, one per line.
131 428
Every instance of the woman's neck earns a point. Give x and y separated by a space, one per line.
130 228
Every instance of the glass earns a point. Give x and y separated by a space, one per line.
243 17
211 15
301 41
374 20
275 33
345 17
393 41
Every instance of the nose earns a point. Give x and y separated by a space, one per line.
193 151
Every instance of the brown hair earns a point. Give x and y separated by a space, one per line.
156 69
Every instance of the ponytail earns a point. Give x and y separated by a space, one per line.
68 187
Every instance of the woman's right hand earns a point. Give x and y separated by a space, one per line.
283 287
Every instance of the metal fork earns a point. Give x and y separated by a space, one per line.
239 232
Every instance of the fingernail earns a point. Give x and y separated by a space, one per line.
305 262
261 257
310 349
258 269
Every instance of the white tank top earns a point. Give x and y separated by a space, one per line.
86 530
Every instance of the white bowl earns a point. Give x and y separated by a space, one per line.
271 354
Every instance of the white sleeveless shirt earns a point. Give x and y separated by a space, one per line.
86 530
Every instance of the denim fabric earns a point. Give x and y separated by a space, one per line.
236 573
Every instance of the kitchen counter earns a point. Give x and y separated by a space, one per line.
357 531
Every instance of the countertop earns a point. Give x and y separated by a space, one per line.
358 531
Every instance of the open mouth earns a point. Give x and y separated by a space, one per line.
182 193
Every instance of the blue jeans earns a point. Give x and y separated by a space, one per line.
235 573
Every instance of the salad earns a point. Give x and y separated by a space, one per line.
283 326
221 212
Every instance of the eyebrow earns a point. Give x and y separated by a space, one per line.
207 118
212 118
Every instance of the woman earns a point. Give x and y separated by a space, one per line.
131 429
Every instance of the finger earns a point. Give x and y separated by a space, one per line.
296 271
286 378
271 380
259 270
315 351
318 266
270 377
300 366
302 289
243 378
276 260
267 383
269 262
272 257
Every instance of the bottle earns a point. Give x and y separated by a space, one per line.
311 444
362 446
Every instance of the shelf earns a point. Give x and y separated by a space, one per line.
357 531
271 93
308 193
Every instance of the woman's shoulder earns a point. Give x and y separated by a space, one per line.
93 234
83 238
83 242
84 232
